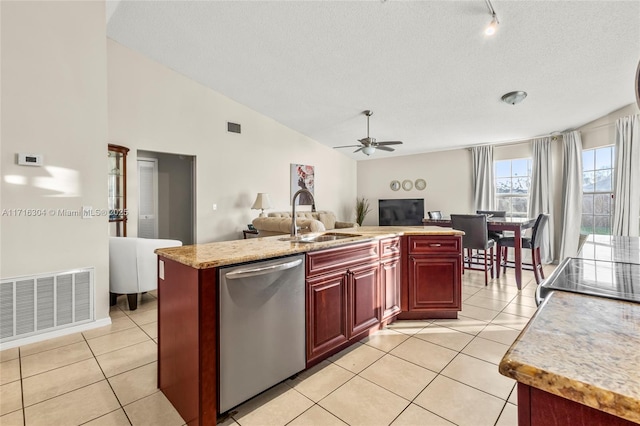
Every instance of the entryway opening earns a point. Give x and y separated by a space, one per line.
166 196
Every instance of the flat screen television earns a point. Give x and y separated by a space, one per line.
401 212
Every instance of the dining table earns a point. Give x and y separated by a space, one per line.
517 225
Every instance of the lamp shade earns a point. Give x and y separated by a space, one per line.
262 202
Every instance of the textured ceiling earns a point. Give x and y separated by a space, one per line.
426 69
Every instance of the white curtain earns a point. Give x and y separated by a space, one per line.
483 184
571 194
540 194
626 209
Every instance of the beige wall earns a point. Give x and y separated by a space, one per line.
447 174
602 132
54 103
154 108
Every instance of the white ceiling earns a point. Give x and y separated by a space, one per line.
426 69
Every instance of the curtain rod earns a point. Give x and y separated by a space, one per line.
553 135
517 141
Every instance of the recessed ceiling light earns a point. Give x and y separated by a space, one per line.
513 98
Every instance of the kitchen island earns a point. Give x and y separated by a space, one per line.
578 360
353 286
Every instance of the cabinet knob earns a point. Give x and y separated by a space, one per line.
435 245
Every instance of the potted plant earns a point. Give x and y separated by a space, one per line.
362 209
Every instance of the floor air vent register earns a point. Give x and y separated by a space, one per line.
44 303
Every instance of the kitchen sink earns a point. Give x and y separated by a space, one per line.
318 238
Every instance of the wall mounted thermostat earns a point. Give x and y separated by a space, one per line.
29 159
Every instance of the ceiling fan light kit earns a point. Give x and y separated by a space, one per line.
368 150
369 145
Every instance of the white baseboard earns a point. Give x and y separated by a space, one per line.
56 333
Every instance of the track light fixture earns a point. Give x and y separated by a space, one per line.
493 26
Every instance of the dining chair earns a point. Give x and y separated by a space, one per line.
435 214
475 238
494 213
532 243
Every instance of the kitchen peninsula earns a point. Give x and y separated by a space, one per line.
353 286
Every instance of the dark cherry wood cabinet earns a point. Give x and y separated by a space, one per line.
363 299
117 184
326 314
390 277
343 297
432 287
187 340
539 408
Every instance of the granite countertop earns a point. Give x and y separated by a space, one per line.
210 255
582 348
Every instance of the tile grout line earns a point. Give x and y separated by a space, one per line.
24 411
108 383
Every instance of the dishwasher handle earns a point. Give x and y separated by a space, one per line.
251 272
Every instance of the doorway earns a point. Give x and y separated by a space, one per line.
166 196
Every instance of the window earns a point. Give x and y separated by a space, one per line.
513 179
597 190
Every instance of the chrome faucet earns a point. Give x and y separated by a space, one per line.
294 226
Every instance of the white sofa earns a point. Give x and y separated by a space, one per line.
133 266
277 223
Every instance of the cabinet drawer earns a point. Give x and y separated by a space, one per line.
389 247
434 245
330 260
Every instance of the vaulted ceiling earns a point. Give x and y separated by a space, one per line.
427 70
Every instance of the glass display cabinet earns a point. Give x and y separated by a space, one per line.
117 190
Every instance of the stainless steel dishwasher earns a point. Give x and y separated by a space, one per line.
262 327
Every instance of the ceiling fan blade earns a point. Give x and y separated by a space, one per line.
347 146
359 149
385 148
389 143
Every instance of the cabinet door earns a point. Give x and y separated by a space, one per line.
326 314
363 298
434 283
390 287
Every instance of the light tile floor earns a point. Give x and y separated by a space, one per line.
434 372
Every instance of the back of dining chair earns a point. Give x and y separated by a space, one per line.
435 214
475 230
538 229
493 213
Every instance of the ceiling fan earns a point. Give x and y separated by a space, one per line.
369 144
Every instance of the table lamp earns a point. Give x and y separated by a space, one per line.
262 202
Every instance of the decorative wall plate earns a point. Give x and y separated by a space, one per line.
394 185
407 185
420 184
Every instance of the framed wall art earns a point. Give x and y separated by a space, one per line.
302 177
